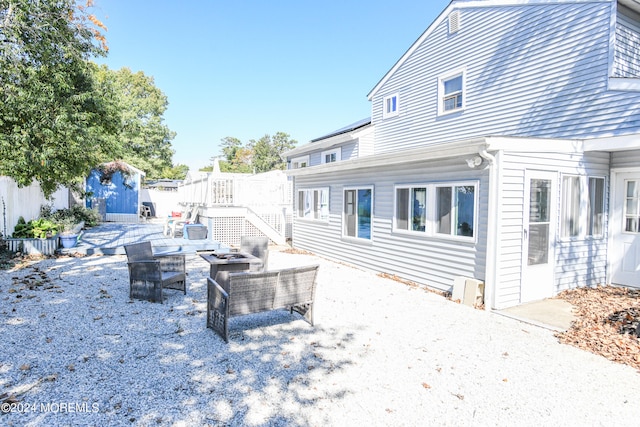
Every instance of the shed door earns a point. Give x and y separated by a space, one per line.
538 236
625 230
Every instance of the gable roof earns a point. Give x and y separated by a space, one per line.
412 49
340 136
465 4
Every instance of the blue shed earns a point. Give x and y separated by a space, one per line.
116 186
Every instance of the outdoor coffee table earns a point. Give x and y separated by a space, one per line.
228 261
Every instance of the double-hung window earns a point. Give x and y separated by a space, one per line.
582 213
451 93
357 213
437 209
299 162
331 156
390 106
314 204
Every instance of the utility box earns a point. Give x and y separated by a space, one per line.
468 291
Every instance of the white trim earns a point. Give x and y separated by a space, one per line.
313 212
386 114
296 161
613 19
443 16
431 203
461 72
494 224
433 211
624 84
337 151
357 188
616 143
409 231
330 142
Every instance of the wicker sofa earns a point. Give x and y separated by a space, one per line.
240 293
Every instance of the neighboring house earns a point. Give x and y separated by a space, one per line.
504 146
114 189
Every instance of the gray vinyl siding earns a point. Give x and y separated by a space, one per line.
627 47
579 262
347 151
427 260
625 159
538 70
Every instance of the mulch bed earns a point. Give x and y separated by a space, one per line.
607 324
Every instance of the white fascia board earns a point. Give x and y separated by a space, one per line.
534 145
615 143
409 52
327 143
624 84
431 152
443 15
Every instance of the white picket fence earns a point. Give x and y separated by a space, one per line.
16 202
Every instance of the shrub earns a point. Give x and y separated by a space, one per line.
40 228
72 215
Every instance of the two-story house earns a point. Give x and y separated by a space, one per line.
504 145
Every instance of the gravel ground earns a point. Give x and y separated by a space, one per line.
76 351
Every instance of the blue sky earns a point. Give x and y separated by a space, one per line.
249 68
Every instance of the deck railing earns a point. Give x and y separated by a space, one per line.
268 196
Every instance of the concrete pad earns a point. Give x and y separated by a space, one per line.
551 313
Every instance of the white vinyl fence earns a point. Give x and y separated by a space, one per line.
16 202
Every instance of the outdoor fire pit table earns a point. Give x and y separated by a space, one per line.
228 261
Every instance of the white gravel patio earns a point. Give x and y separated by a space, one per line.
76 351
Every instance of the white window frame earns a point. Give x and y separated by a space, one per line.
409 211
299 162
581 225
313 204
344 214
387 112
454 228
336 151
431 210
441 95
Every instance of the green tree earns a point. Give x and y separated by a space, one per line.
143 139
267 151
178 171
56 120
237 157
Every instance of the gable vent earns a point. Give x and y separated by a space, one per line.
454 21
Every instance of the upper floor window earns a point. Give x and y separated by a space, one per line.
582 206
390 106
300 162
331 156
451 93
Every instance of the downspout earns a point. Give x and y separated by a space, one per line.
491 269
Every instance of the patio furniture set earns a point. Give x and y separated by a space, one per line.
239 282
185 224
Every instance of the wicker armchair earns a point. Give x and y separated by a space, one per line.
258 247
149 274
